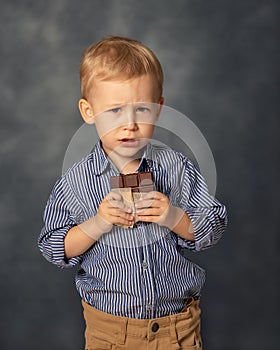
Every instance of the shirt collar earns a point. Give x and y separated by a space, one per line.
101 161
150 157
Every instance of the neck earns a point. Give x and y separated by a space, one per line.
130 167
125 165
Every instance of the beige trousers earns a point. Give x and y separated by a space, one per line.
180 331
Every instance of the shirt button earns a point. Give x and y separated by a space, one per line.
155 327
145 265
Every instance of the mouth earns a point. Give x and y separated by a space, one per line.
130 142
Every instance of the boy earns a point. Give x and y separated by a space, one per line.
138 291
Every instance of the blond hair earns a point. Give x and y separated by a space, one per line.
118 57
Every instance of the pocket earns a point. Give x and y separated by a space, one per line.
190 347
188 331
97 344
97 341
188 341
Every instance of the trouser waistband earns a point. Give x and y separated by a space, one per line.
120 327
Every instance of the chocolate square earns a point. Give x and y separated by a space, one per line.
145 178
145 175
130 180
148 188
135 181
116 182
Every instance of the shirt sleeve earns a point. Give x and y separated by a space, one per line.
59 218
207 214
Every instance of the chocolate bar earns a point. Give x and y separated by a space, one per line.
139 182
131 186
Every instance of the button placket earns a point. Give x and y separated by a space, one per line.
145 265
147 283
149 311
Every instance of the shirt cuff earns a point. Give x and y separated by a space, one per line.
54 252
203 234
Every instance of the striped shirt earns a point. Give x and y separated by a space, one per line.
140 272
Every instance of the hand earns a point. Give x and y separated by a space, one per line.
155 207
113 211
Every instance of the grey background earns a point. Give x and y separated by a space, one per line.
221 63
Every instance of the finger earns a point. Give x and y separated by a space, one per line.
123 207
153 195
118 213
148 218
114 196
115 200
122 219
150 212
145 200
152 201
148 204
150 195
123 222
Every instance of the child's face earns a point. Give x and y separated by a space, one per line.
124 113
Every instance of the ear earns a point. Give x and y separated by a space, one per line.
86 111
160 104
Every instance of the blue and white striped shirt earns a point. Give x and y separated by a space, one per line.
138 272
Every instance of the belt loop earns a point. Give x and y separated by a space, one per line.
188 302
121 337
173 331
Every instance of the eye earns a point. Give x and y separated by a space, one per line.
142 109
115 110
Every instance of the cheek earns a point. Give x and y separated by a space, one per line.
104 130
147 130
107 139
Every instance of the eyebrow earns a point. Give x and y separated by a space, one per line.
114 105
120 104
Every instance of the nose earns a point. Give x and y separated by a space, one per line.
130 119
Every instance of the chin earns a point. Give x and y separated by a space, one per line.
132 152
